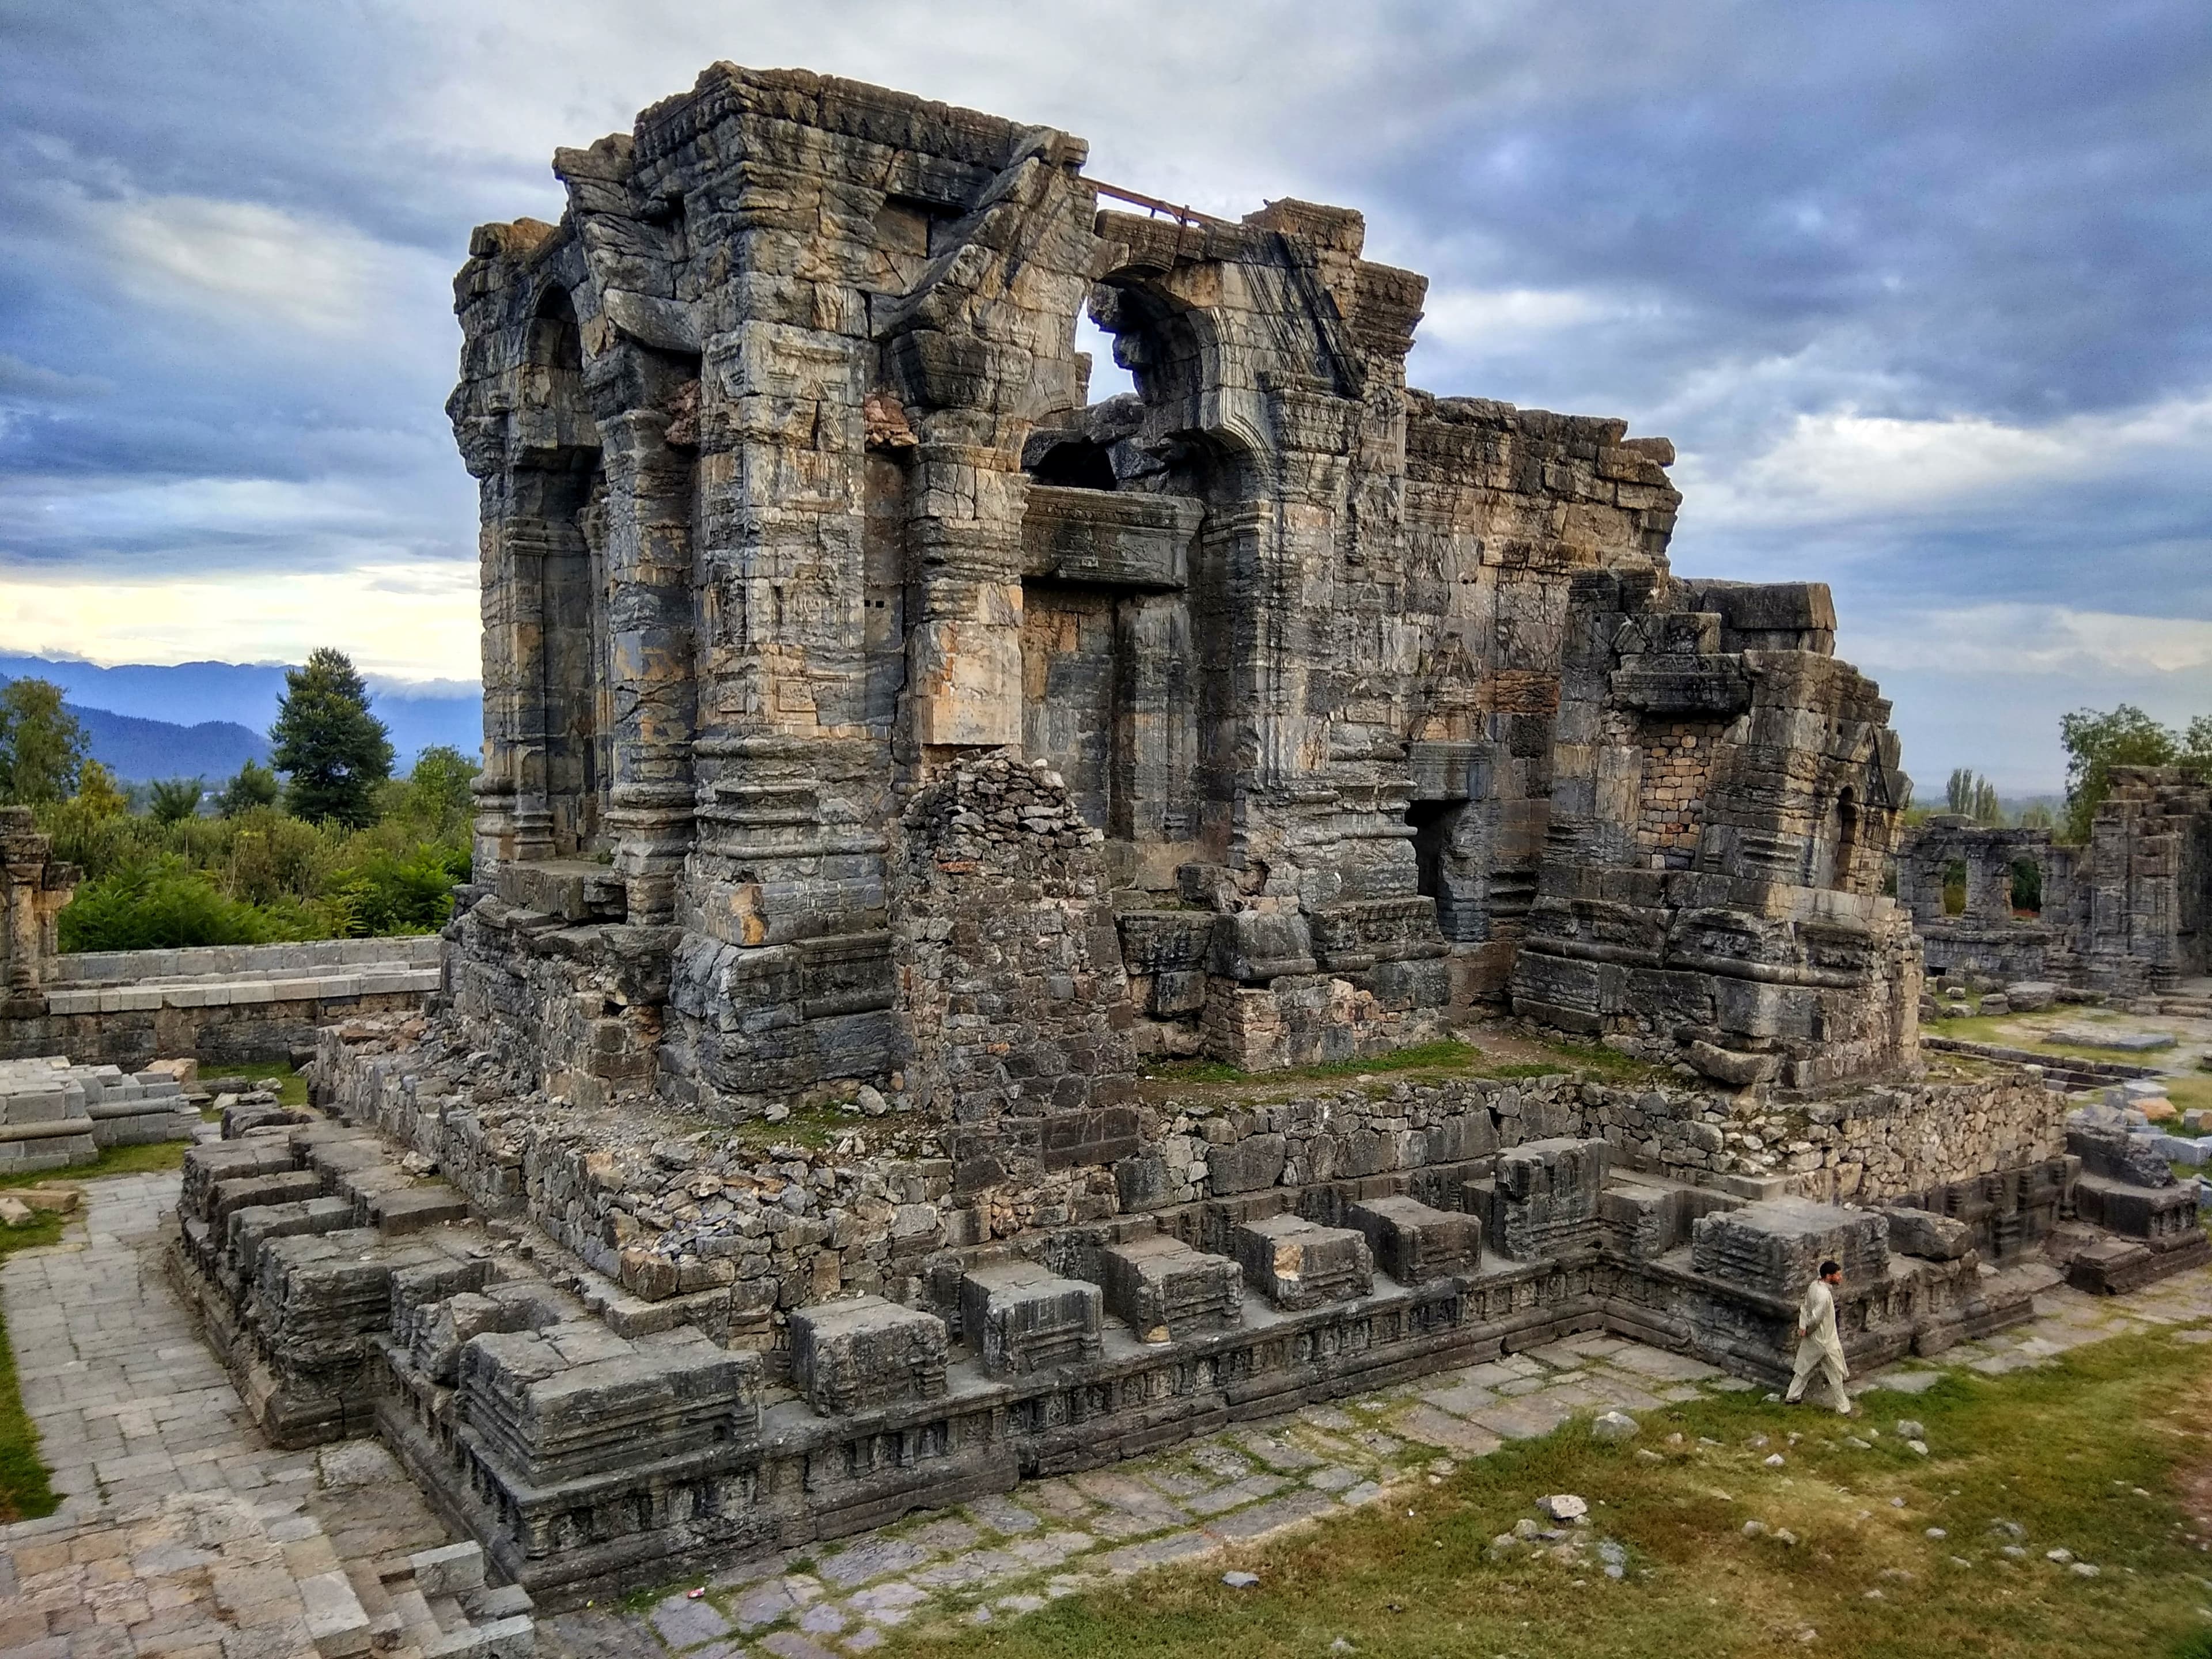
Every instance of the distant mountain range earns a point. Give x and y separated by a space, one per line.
208 719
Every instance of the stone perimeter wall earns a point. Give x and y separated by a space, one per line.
732 1236
225 1004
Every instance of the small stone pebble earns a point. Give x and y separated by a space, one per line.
1910 1428
1753 1529
1920 1446
1937 1532
1784 1537
1240 1580
1897 1502
2083 1570
1858 1444
1774 1460
2061 1556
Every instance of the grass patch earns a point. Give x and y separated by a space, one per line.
2064 1452
152 1157
291 1086
815 1127
24 1493
1437 1062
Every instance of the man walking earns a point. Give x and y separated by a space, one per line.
1819 1348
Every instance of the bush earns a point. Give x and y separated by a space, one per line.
164 903
386 893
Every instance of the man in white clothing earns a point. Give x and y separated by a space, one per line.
1819 1348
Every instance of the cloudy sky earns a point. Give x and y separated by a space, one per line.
1918 290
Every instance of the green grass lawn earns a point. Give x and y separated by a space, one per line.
24 1493
2096 1453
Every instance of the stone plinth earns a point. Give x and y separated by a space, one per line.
847 1356
1296 1263
1166 1290
1019 1317
1414 1244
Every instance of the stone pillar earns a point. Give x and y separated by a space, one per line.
964 539
33 891
655 700
1989 883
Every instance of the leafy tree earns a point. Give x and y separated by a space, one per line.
98 796
42 745
2096 743
434 795
2037 815
254 785
175 799
1974 797
332 749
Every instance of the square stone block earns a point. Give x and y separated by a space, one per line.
1164 1289
1296 1263
848 1356
1019 1317
1415 1243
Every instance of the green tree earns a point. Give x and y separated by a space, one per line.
2096 743
175 799
334 751
98 795
1974 797
437 790
254 785
42 746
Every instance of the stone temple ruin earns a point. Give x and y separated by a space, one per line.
873 723
2128 915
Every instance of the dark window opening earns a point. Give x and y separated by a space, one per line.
1847 838
1432 822
1076 466
2026 887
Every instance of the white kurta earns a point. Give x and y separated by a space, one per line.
1820 1347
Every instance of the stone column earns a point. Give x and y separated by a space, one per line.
1988 884
964 538
649 569
32 891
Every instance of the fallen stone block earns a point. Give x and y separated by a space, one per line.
1929 1236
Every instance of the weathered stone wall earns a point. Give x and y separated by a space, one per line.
2125 914
223 1004
1759 945
1011 993
670 1210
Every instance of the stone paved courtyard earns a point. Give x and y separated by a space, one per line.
181 1532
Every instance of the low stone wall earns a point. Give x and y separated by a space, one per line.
672 1209
223 1004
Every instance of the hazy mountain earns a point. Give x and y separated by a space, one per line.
138 750
191 696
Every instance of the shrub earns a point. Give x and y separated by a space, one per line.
163 903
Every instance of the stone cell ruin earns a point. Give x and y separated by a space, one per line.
2128 914
870 718
1348 706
